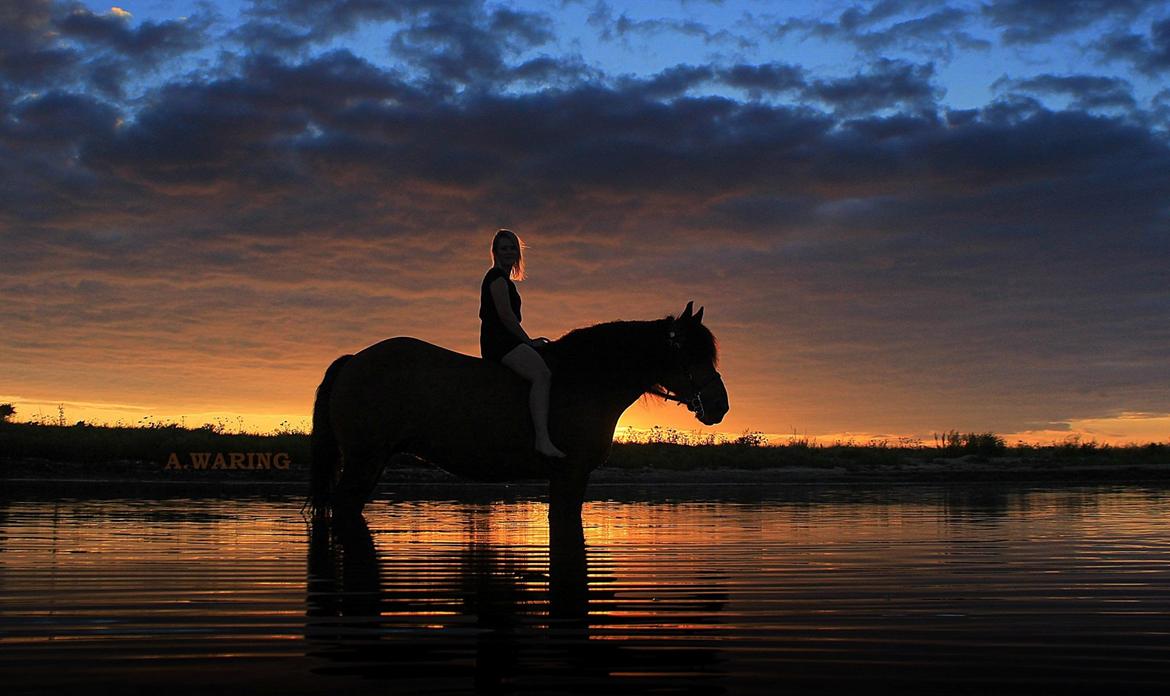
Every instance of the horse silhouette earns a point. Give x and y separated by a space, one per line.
471 417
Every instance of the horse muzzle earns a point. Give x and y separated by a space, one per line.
710 403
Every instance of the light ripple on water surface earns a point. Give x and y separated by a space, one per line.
988 588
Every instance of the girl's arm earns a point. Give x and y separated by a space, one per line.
499 290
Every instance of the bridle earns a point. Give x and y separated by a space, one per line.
694 402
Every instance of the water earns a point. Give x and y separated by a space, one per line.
969 589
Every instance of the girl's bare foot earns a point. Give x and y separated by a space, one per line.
548 449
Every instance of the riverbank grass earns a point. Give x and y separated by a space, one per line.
83 449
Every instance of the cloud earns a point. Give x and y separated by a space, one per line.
756 80
45 43
1084 91
150 42
1149 54
295 25
470 46
1038 21
672 81
526 29
765 78
448 41
28 53
340 126
54 119
937 34
246 131
893 24
890 83
623 27
554 72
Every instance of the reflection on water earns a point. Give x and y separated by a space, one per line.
980 589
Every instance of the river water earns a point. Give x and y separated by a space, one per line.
733 589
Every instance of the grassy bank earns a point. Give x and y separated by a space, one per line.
81 451
673 450
30 450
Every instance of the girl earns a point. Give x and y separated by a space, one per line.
503 340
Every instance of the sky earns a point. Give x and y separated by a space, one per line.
902 217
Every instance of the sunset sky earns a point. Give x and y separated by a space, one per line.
902 216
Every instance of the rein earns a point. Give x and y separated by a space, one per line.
694 403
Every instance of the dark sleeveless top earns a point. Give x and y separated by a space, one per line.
495 340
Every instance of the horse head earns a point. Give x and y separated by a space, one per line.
690 375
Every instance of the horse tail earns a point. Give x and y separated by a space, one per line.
323 443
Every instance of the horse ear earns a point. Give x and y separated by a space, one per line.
699 316
687 312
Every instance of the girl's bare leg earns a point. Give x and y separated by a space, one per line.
528 364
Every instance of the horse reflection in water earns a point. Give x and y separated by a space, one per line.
471 417
482 616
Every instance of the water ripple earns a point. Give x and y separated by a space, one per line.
976 588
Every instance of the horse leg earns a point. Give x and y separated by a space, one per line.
566 493
359 475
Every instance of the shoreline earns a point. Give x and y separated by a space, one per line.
204 456
966 469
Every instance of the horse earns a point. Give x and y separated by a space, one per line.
471 417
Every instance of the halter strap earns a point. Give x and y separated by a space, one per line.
694 402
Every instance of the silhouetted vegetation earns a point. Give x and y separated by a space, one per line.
31 449
953 454
985 444
7 411
123 450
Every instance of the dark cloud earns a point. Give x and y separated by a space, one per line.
151 41
265 36
1161 108
469 46
885 25
1083 91
41 179
767 78
29 55
244 129
622 27
1149 54
451 41
59 118
889 84
338 16
1035 21
293 25
47 43
756 80
550 72
526 29
1018 220
860 17
855 18
938 34
338 123
673 81
114 51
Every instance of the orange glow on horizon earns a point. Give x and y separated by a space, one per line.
647 418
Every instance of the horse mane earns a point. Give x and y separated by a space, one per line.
700 344
631 347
